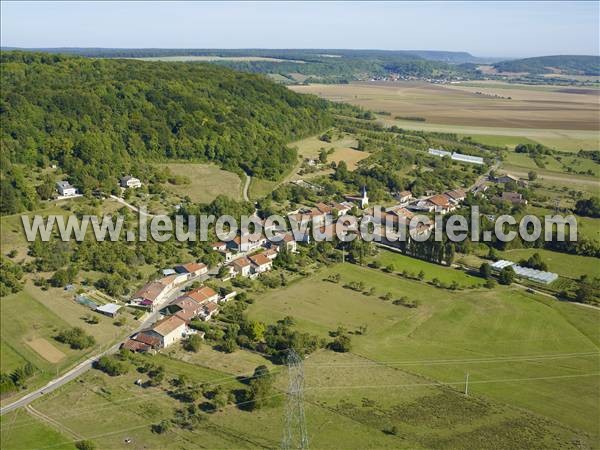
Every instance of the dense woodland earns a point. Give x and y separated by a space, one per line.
101 119
568 64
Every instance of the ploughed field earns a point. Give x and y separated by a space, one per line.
550 115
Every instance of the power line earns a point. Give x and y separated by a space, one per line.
372 364
511 380
295 434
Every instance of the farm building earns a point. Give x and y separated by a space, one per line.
539 276
110 309
65 189
130 182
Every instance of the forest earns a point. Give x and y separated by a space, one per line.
568 64
99 119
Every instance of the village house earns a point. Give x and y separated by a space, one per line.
171 281
242 266
192 269
506 178
209 310
184 307
513 197
221 247
136 346
65 189
261 263
288 242
246 243
437 203
149 295
218 246
168 331
404 197
130 182
457 195
203 294
271 253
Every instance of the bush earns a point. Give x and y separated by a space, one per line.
76 338
85 445
111 365
192 343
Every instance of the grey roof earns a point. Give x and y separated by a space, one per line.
109 308
538 276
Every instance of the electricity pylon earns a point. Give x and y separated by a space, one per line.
295 434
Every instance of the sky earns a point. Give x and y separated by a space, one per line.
496 29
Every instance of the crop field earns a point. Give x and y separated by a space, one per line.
552 371
206 181
565 121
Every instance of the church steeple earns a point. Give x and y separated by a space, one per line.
364 201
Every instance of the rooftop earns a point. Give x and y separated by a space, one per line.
167 325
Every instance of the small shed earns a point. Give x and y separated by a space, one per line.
110 309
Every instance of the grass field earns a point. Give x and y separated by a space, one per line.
406 371
513 343
21 431
344 149
572 266
445 274
561 120
206 182
31 319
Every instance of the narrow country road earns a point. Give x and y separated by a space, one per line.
83 367
246 186
130 206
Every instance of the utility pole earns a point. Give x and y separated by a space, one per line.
467 385
295 434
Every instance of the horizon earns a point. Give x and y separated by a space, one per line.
518 29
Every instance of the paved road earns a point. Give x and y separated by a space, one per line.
86 365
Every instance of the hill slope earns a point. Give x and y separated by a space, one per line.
99 119
567 64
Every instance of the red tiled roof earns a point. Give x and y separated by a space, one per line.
167 325
201 295
168 280
211 307
135 346
439 200
194 267
241 262
150 291
456 194
148 339
260 259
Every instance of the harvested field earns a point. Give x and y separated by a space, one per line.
46 350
